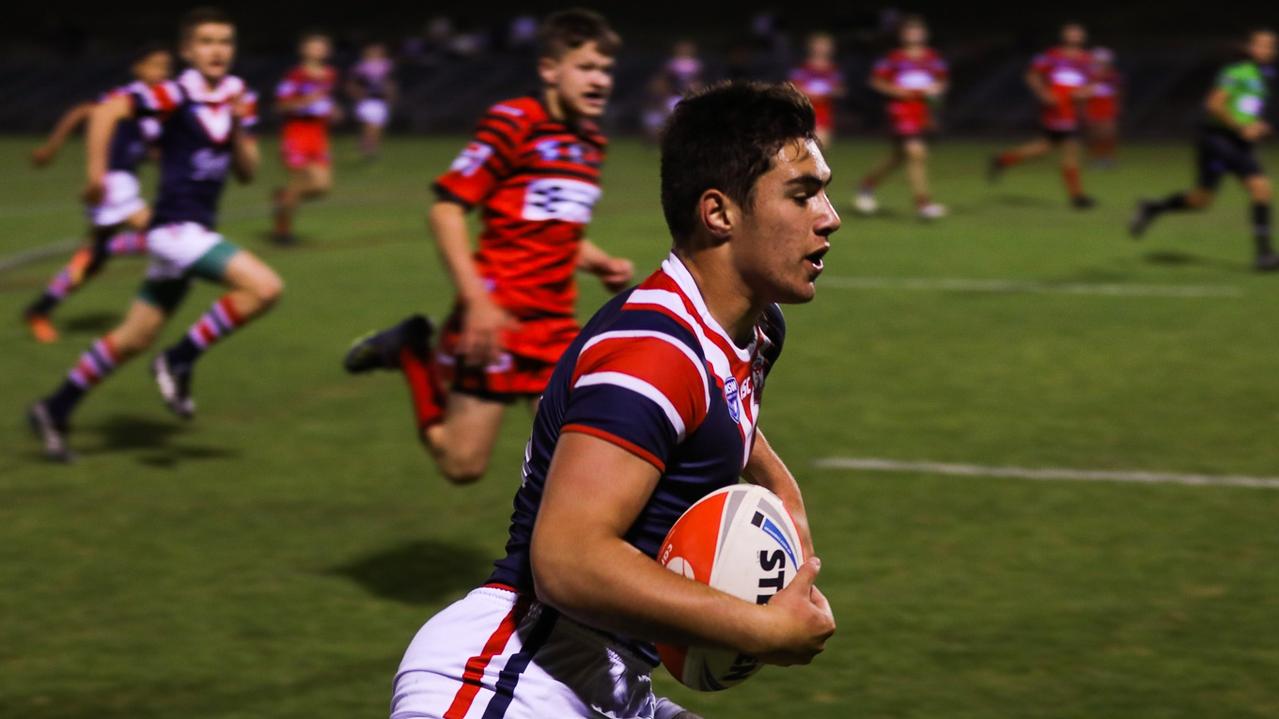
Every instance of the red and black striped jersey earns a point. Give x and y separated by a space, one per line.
536 180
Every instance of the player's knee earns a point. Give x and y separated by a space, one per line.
1260 190
268 289
464 467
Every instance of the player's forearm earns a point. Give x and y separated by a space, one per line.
590 257
68 124
246 156
102 123
884 87
766 468
606 583
1217 106
448 228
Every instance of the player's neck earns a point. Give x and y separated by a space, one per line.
556 107
727 297
313 67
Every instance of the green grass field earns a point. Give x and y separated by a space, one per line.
273 558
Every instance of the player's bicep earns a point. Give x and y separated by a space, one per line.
593 487
1217 100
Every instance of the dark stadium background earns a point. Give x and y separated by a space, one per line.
57 53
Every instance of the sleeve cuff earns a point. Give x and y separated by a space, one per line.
617 441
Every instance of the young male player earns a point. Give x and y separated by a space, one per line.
372 85
913 78
653 406
1061 78
1101 109
205 119
305 98
820 79
533 169
118 219
1227 143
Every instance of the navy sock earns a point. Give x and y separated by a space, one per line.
1172 203
183 355
63 400
1261 227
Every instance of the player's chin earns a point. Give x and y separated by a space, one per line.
591 105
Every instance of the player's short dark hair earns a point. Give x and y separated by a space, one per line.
205 15
570 29
314 33
146 50
725 137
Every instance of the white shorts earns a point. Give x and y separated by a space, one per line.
175 248
121 200
372 111
497 655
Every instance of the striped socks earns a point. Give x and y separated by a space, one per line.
221 320
94 365
127 243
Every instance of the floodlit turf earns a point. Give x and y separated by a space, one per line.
274 557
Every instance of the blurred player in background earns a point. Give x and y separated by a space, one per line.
371 83
913 78
820 79
118 219
305 98
1101 109
653 407
1061 79
532 169
1228 145
205 120
683 72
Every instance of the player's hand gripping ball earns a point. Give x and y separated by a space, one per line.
739 540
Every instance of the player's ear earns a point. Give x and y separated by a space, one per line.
717 213
548 68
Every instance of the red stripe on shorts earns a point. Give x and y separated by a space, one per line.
474 674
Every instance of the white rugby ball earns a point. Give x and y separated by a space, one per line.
742 541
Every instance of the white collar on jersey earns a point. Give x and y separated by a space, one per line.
674 267
195 88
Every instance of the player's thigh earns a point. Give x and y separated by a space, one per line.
915 148
1258 187
139 328
472 424
245 271
319 176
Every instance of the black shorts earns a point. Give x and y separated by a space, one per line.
1057 137
1220 151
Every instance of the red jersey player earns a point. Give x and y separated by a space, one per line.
820 79
913 78
1061 78
532 168
1102 108
305 98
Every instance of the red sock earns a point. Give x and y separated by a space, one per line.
1008 159
922 201
428 397
1073 185
868 184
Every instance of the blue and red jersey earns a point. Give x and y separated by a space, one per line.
654 374
197 125
133 136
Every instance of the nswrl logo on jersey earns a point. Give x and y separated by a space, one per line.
730 397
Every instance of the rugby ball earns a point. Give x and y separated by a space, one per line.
742 541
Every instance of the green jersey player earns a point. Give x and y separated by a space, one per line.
1227 144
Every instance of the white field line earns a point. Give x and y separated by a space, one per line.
35 254
871 464
993 286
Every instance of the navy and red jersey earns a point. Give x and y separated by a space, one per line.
821 83
374 77
300 83
655 374
133 136
197 126
914 72
1065 72
536 180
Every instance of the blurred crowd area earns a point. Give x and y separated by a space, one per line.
451 65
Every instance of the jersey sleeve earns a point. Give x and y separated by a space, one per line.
643 392
883 69
1041 64
249 118
287 89
486 160
158 100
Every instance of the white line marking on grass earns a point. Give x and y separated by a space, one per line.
53 249
961 284
872 464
